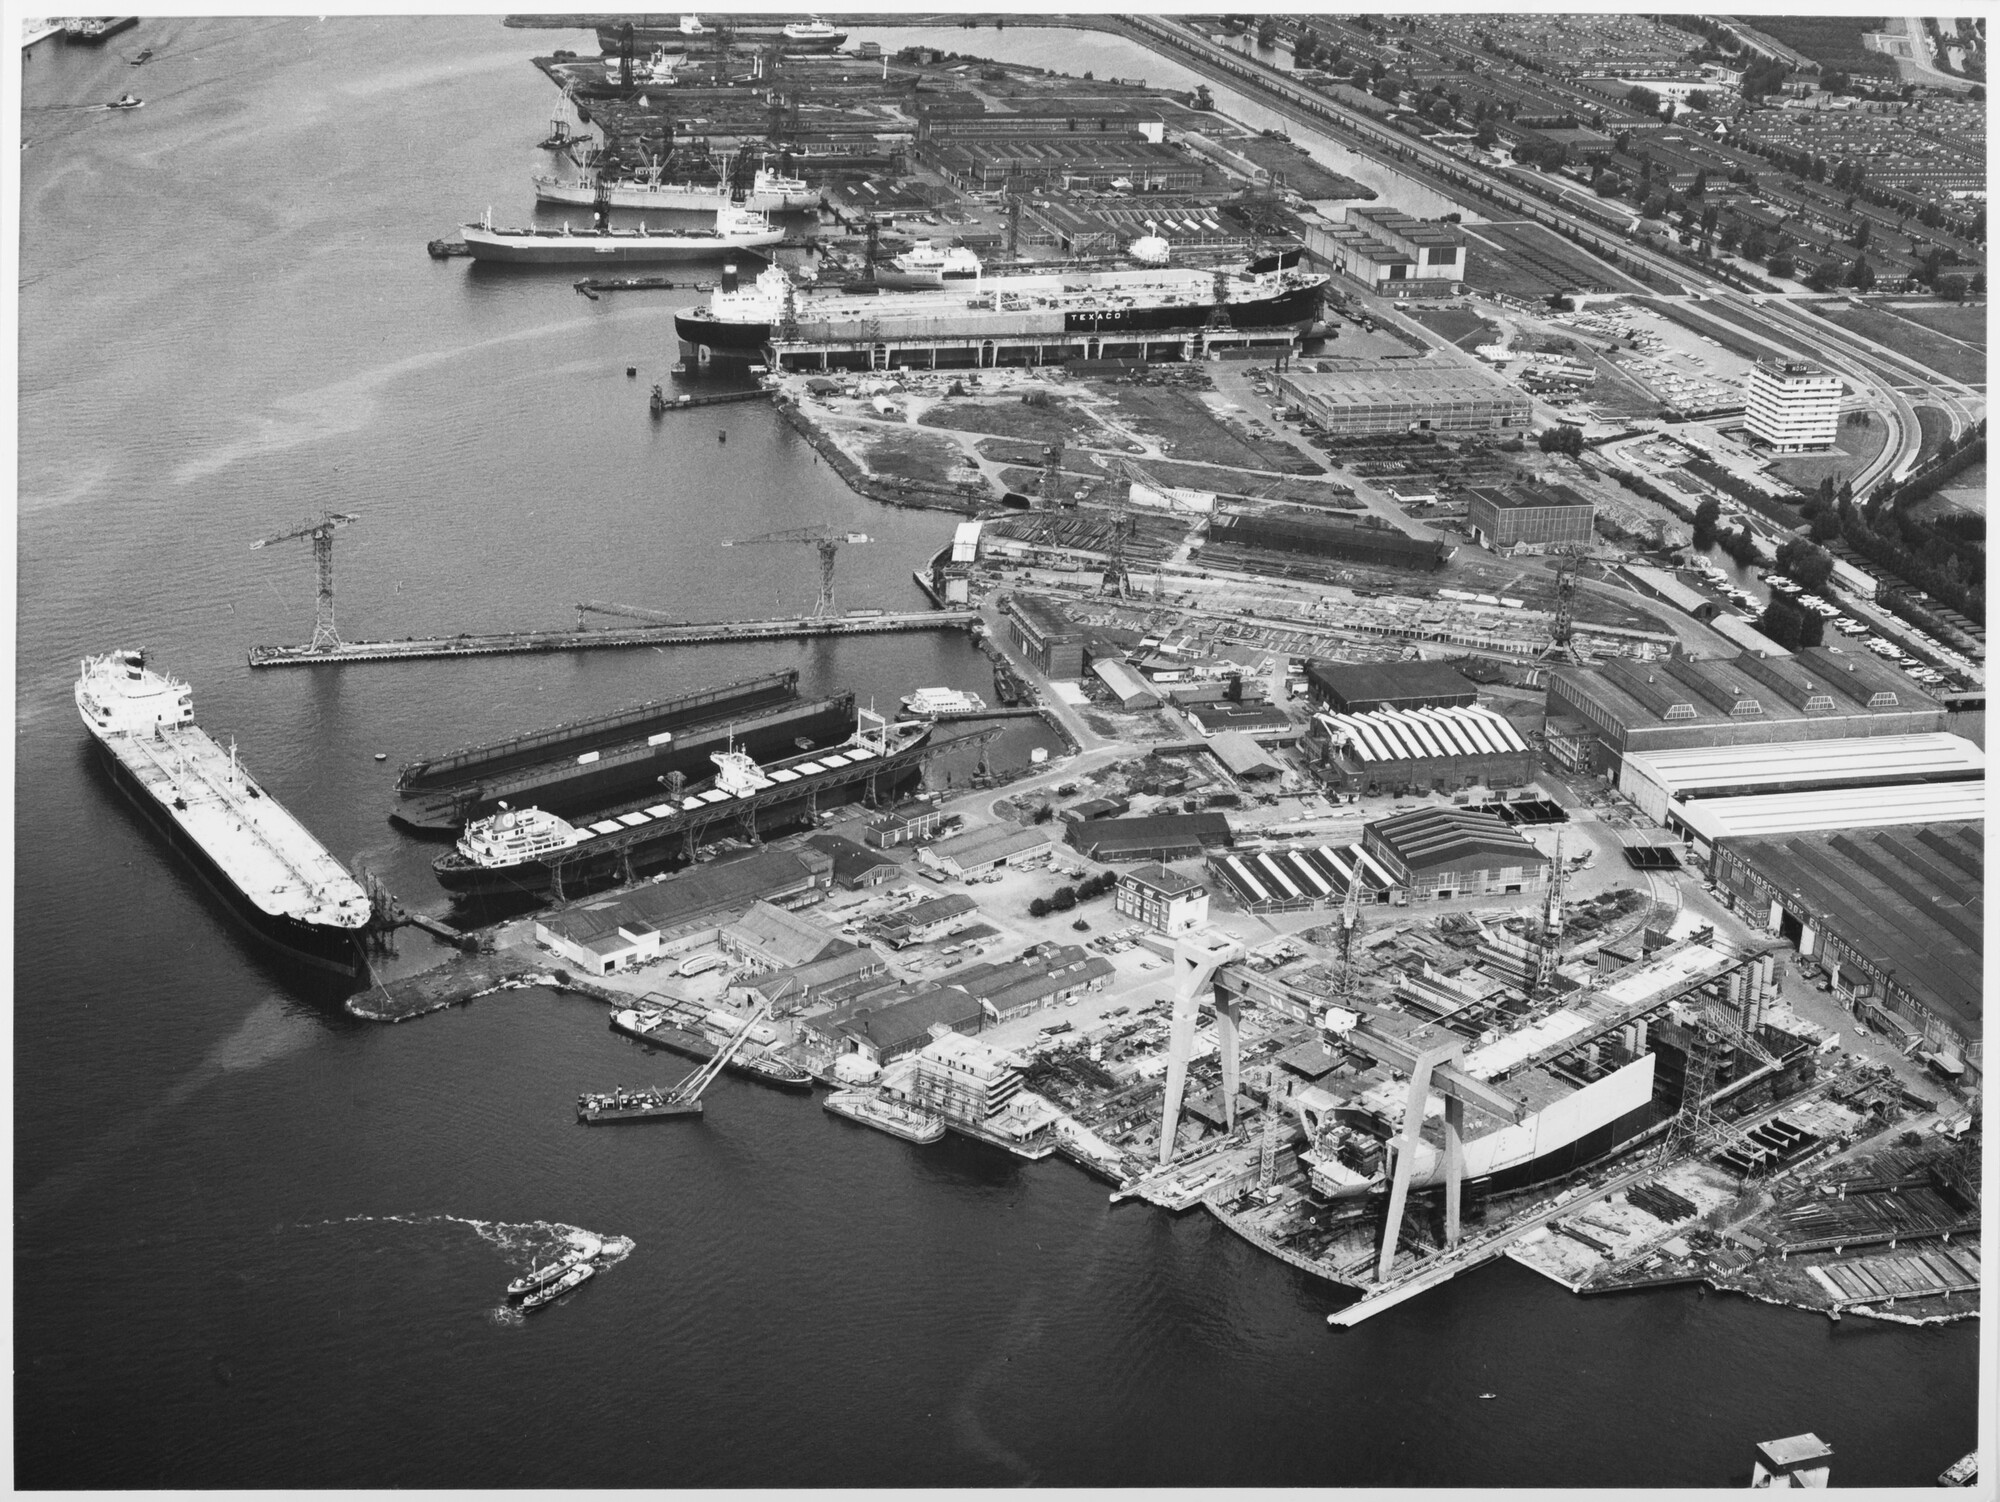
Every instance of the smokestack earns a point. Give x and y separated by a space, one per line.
729 277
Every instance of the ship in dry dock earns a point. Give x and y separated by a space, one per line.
1102 312
248 848
584 766
528 852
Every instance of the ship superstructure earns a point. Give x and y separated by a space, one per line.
273 870
769 192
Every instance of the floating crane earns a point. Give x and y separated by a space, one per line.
689 1090
320 530
821 535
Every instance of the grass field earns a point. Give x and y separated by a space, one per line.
1928 347
1966 492
1010 417
1460 327
1936 426
1197 434
911 454
1855 448
1526 260
1965 321
1832 41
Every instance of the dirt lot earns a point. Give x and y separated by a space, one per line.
1936 352
1184 422
1527 261
1856 446
910 454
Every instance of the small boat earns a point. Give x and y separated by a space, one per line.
582 1273
381 755
659 401
549 1272
125 102
1963 1471
889 1116
142 59
932 702
633 1105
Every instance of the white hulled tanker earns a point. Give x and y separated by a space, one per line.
738 321
248 847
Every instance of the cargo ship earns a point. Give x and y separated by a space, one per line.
1355 1152
769 193
576 1277
736 229
590 764
879 760
694 1038
247 847
737 322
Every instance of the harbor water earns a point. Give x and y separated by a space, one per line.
259 1243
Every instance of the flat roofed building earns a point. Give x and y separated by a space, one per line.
1657 781
1163 900
1821 693
1528 520
1436 853
1434 393
1706 822
1047 637
1357 687
1791 405
1392 254
1895 916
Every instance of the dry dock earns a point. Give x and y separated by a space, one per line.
693 633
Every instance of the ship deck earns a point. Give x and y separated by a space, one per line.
266 852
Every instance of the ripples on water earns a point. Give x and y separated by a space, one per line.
260 1244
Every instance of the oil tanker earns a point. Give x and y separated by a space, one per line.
590 764
247 848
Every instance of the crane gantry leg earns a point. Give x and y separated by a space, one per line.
325 636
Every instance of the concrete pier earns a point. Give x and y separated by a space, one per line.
693 633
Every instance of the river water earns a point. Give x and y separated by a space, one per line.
261 1244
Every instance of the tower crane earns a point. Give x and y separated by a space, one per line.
821 535
1548 949
320 529
1569 558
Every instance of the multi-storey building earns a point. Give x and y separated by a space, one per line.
1161 899
965 1081
1528 520
1793 405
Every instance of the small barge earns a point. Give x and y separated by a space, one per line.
633 1105
889 1116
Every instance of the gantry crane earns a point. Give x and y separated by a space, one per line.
821 535
320 530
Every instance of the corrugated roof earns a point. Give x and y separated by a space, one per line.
1243 756
1911 901
1428 839
1414 735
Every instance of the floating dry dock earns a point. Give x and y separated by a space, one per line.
510 643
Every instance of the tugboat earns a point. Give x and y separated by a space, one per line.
125 102
582 1273
659 402
540 1277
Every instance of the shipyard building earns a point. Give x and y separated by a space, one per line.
1893 916
1437 853
1524 519
1417 750
1792 405
1314 534
1045 636
1597 715
1393 255
1361 687
1352 398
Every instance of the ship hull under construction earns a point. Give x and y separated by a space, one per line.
335 950
573 784
667 839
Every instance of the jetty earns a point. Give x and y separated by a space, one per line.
687 634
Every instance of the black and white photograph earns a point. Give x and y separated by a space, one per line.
946 749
